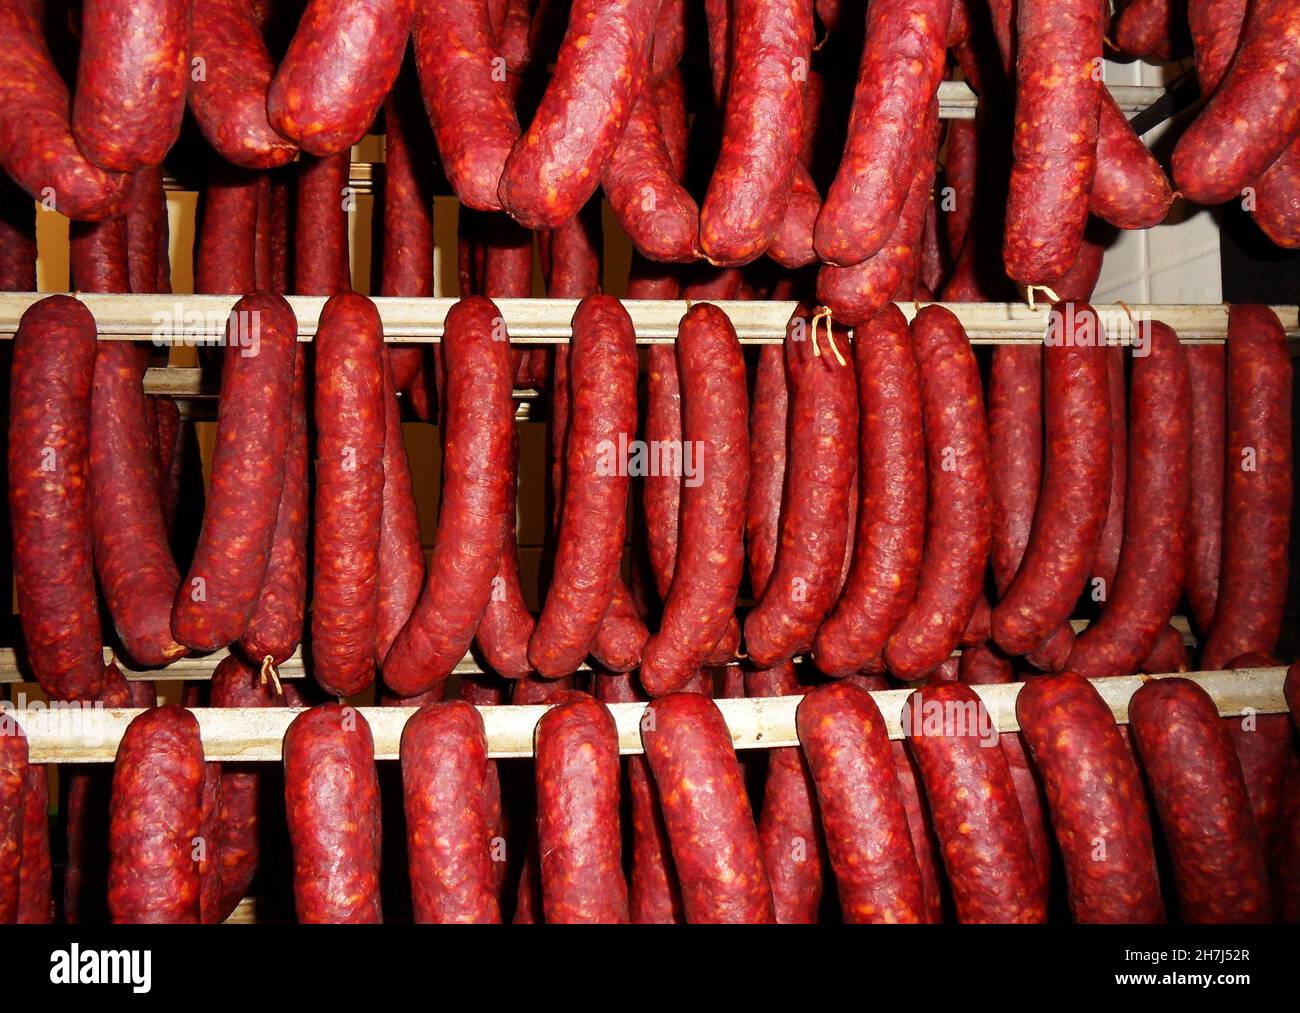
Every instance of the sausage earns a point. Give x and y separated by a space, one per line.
856 293
1215 27
1277 199
1200 795
891 513
220 593
1075 485
747 194
959 523
275 627
1145 28
1253 116
1106 561
1150 574
401 554
669 38
1096 799
1257 495
147 237
49 504
1168 653
671 115
13 786
37 147
35 901
710 559
1058 95
902 65
350 425
603 62
131 80
475 501
207 847
230 76
468 100
444 774
154 820
640 181
225 252
1016 441
974 807
1130 189
715 844
97 256
320 264
578 835
341 62
961 176
1261 743
867 836
331 798
768 414
602 375
622 637
573 253
136 571
717 17
814 525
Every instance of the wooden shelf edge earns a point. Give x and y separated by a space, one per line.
74 735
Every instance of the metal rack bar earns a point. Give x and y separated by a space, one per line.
74 735
200 319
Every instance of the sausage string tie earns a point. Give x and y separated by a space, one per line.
1031 289
270 674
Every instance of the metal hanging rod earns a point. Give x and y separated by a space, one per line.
200 319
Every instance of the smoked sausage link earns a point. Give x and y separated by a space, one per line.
154 820
867 836
444 774
710 555
342 61
578 833
331 799
1196 781
217 598
1096 799
49 505
710 825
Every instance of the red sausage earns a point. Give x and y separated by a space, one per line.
1277 199
342 61
1112 532
1130 190
401 554
444 777
867 836
1150 574
37 148
902 65
1145 28
715 844
49 505
475 501
350 424
814 525
147 235
1016 442
974 806
321 226
155 818
602 367
710 559
1216 29
408 198
13 783
275 628
217 598
1262 743
603 62
467 98
236 684
1196 781
131 81
225 252
1254 115
1075 488
1096 799
578 836
35 901
331 798
669 41
640 181
959 526
750 186
1058 94
228 96
209 856
135 566
961 177
768 413
1257 496
891 512
1168 653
